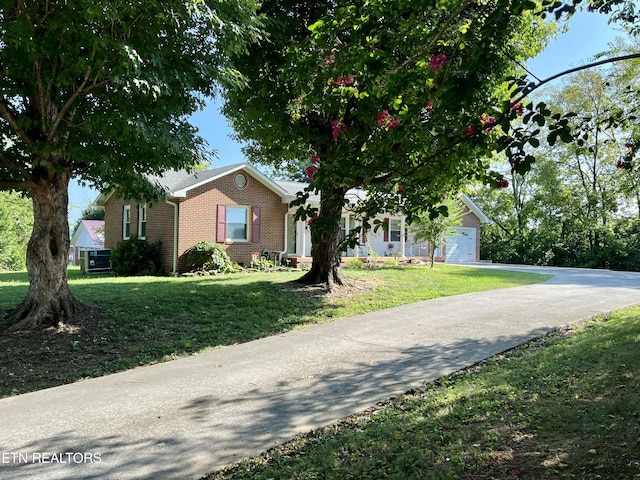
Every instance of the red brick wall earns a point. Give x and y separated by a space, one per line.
198 220
198 216
159 226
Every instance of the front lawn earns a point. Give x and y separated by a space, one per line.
145 320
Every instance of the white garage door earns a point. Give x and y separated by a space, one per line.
461 247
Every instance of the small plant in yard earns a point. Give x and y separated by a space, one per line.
261 263
208 256
355 263
135 256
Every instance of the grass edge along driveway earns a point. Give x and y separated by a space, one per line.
140 321
563 406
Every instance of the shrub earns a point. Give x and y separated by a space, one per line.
262 263
354 263
208 256
135 257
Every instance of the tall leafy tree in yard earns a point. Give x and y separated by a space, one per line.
16 222
101 90
567 209
400 97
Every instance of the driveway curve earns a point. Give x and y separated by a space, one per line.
185 418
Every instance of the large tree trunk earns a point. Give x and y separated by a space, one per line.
325 241
49 301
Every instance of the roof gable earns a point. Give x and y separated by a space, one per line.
477 211
177 183
90 233
184 184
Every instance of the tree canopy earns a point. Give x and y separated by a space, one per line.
102 91
578 203
403 98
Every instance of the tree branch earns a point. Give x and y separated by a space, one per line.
435 40
16 185
18 167
81 91
7 114
574 70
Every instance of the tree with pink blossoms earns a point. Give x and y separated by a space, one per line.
388 93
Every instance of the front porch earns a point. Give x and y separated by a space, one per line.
370 261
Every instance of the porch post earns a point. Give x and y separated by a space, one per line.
301 232
402 235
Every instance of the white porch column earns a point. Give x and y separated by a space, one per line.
402 234
302 235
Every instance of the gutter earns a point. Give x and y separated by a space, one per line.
175 236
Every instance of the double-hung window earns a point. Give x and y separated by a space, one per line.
394 230
126 222
142 221
237 224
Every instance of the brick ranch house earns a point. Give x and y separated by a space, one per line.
248 213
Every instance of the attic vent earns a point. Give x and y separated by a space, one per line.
240 180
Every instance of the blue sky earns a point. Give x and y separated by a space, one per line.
588 34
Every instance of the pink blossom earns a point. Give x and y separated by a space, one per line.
622 164
502 183
470 130
629 145
329 60
348 80
489 123
436 62
517 107
337 128
428 106
488 119
315 158
382 118
311 172
517 473
388 121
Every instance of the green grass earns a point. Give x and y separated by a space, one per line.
145 320
562 407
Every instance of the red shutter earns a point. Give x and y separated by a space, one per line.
386 229
255 225
221 235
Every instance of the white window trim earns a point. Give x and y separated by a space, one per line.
126 220
142 218
399 229
247 218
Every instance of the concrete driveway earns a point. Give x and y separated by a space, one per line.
185 418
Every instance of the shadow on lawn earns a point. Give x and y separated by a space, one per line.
224 423
149 320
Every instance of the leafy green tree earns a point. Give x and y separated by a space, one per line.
102 90
569 207
16 222
399 97
435 228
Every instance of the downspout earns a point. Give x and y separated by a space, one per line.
175 236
